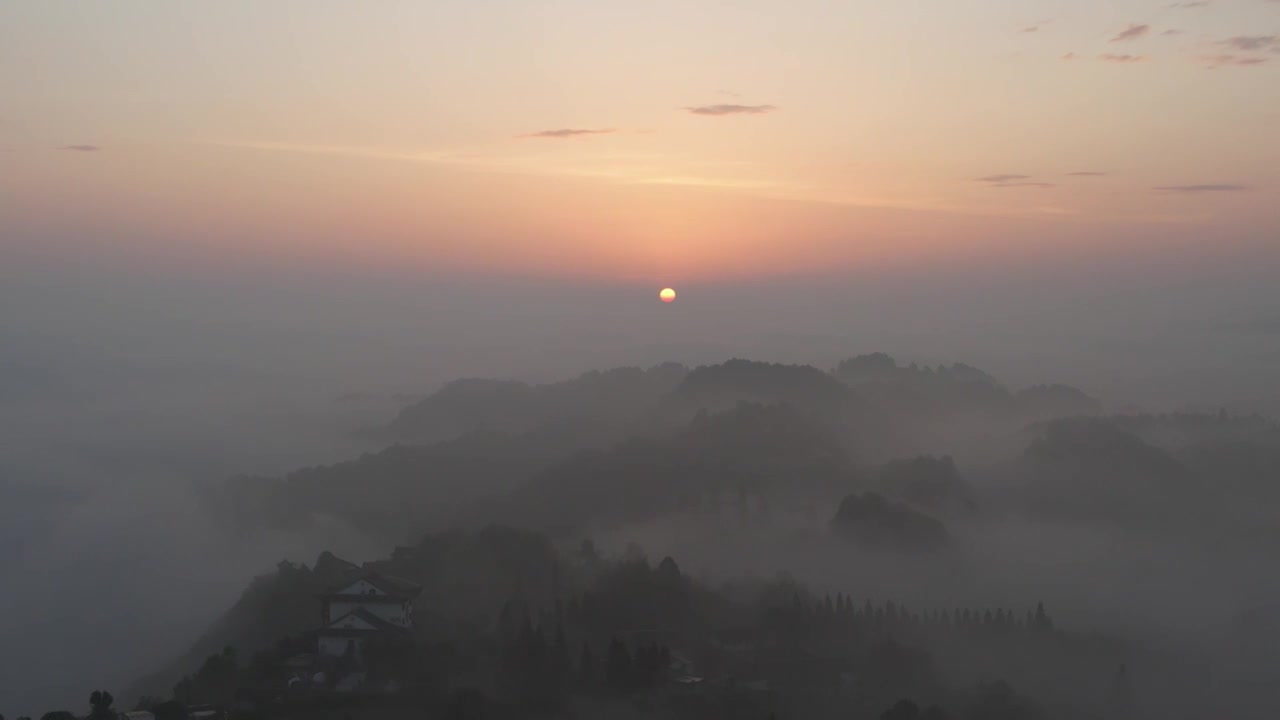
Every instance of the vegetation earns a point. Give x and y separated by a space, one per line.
522 615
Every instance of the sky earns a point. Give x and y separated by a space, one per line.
664 141
1054 189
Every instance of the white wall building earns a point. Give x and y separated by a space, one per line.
366 605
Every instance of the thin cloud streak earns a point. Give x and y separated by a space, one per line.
1002 178
1133 32
532 167
567 133
1217 61
1252 42
1087 173
730 109
81 148
1121 58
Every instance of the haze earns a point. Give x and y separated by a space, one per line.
239 239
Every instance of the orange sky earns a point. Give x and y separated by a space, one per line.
673 141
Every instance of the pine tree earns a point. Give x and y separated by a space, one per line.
1042 620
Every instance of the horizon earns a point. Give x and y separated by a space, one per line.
243 244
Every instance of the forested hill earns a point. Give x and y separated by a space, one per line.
596 403
844 478
636 441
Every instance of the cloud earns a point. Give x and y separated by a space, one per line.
1217 61
1171 31
1010 180
567 133
730 109
81 148
1133 32
1112 57
1189 5
1087 173
1253 42
1031 29
1205 188
1071 56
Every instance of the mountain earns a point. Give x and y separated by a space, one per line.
928 483
274 606
762 452
1091 470
874 522
593 405
1042 402
806 388
916 390
957 389
465 577
860 427
395 494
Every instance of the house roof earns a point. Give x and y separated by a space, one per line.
375 623
396 588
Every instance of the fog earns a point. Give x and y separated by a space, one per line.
125 395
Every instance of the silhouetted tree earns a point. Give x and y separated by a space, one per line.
100 704
1042 620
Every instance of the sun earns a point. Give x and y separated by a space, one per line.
667 295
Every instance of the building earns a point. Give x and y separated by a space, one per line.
364 605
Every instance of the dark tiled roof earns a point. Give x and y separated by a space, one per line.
397 588
379 625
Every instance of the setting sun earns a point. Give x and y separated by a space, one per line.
667 295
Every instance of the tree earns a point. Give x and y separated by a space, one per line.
100 702
1042 620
